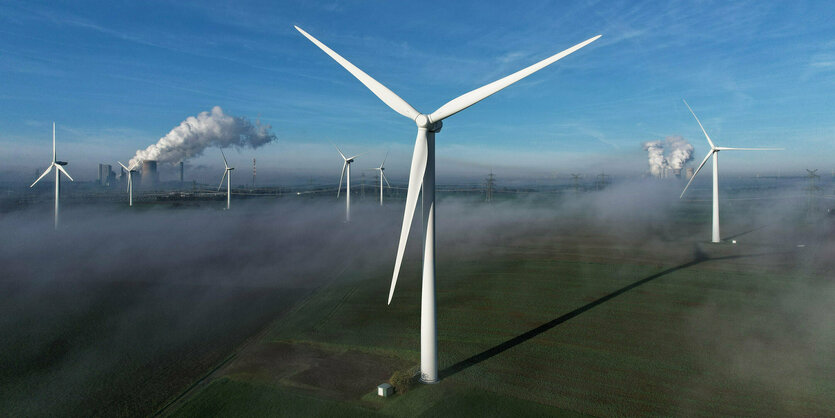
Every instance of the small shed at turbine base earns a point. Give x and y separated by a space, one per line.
385 390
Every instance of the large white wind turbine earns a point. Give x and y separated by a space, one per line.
346 165
422 176
130 171
714 151
58 165
227 173
381 169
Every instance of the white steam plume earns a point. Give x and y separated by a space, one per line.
207 129
679 152
655 153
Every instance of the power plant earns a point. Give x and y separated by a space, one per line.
150 177
106 175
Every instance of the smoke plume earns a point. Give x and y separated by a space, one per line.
207 129
679 152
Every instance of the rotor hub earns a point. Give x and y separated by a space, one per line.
424 122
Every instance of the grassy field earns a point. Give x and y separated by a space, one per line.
581 321
596 304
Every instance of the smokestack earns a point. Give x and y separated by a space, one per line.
689 172
150 177
181 172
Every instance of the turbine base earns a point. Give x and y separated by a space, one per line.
423 379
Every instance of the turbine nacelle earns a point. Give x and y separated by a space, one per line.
61 162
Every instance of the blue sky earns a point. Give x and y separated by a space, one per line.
117 76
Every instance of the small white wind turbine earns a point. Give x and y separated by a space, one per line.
714 151
381 169
346 165
227 174
58 165
130 171
422 177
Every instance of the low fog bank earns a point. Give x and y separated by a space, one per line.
123 307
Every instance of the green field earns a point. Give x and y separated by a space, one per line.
576 322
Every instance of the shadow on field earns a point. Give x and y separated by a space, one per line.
699 257
744 233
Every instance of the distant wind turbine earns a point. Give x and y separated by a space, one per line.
227 173
346 165
58 165
130 171
714 151
422 177
381 169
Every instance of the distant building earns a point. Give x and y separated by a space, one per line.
106 175
689 172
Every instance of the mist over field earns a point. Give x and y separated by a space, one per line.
122 308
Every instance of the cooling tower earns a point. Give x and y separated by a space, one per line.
150 177
689 172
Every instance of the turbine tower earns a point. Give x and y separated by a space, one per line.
381 169
346 165
422 177
58 165
714 151
130 171
227 173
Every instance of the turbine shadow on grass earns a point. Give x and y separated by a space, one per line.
745 232
699 257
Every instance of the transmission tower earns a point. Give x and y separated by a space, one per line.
490 183
602 183
813 188
576 178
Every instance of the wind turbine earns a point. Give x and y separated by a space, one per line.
422 177
227 173
381 169
58 165
714 151
130 171
346 165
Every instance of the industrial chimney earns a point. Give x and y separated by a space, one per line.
689 172
181 173
150 177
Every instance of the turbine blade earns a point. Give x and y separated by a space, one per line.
386 179
384 160
223 177
415 184
225 163
123 166
464 101
43 175
340 152
339 189
61 169
355 156
54 155
748 149
700 124
387 96
696 172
